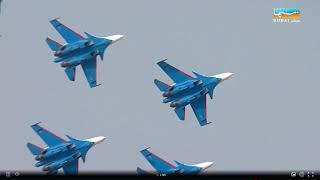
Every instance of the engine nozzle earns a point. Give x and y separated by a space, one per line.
166 94
198 82
57 53
46 168
174 104
65 64
94 53
70 146
39 157
88 43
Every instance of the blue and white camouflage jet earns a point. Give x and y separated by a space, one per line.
188 90
79 50
60 153
164 167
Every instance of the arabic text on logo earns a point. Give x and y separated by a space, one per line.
286 15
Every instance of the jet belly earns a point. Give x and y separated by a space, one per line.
76 60
70 48
184 101
182 94
55 165
180 88
54 151
80 52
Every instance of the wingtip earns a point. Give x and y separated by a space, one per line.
94 85
36 124
146 148
155 81
57 18
205 123
162 61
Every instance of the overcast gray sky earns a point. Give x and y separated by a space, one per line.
266 117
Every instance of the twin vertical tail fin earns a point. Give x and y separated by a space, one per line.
71 73
180 111
206 79
35 150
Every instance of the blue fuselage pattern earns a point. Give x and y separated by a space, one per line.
55 157
75 53
181 170
186 92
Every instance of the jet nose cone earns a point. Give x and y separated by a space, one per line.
114 38
224 76
97 139
205 165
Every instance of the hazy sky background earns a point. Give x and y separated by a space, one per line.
266 117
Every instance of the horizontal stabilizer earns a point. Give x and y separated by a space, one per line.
71 73
34 149
180 112
54 45
161 85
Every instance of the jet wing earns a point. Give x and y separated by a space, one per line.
48 137
71 168
158 163
68 34
175 74
200 109
89 68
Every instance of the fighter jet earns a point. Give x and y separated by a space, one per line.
188 90
163 167
60 153
79 50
